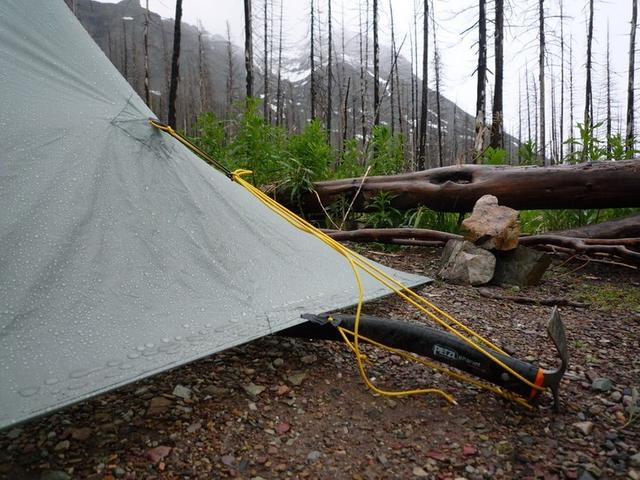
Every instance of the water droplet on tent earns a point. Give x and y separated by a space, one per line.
28 391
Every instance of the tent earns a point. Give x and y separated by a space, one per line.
122 254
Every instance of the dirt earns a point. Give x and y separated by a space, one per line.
288 408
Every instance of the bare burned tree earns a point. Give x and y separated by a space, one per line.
608 80
541 64
436 68
146 53
424 109
265 101
588 100
279 80
230 70
630 81
248 48
175 66
312 60
329 72
496 124
376 66
481 72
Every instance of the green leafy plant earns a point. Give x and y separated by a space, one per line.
423 217
382 215
388 151
528 153
587 147
494 156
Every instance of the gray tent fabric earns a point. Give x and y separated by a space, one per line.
121 253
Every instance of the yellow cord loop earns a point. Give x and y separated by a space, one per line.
360 264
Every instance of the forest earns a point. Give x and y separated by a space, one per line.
349 105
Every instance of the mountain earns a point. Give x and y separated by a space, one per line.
212 78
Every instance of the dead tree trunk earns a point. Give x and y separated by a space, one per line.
630 81
248 48
424 109
608 74
230 72
265 100
376 66
588 99
436 68
312 61
481 90
571 117
496 124
456 189
561 157
146 54
329 73
175 66
279 80
541 55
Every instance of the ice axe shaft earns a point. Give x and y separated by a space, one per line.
445 348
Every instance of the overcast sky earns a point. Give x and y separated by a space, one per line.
458 51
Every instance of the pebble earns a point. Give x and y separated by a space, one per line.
296 378
634 460
616 396
419 472
278 362
14 433
119 472
309 359
601 385
63 445
182 392
158 406
253 389
585 427
313 455
55 475
158 453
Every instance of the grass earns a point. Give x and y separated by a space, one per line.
608 297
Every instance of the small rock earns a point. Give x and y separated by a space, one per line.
158 406
119 472
283 428
296 378
282 390
253 389
469 450
158 453
194 427
309 359
634 460
382 459
634 474
419 472
586 476
55 475
278 362
313 456
492 226
81 434
228 460
585 427
253 407
215 391
464 263
616 396
182 392
523 266
63 445
14 433
601 385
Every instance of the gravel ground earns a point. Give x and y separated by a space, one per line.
285 408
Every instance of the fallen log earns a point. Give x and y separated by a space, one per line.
457 188
619 247
554 301
626 227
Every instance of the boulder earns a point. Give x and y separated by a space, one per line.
464 263
522 266
492 226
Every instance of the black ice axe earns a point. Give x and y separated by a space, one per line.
446 348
